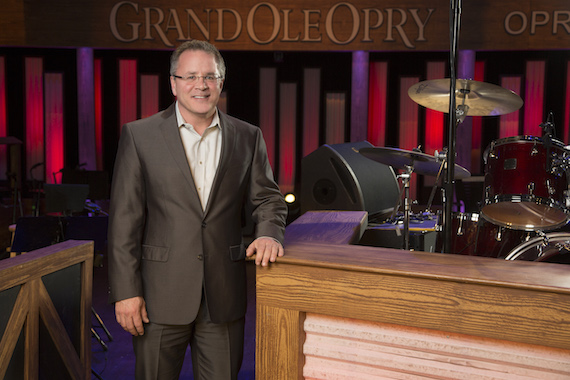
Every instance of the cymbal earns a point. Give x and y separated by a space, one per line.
482 99
398 158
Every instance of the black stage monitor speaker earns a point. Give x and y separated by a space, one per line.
337 177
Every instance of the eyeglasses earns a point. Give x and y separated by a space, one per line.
193 79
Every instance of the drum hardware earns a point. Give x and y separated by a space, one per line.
499 236
560 163
460 230
543 236
551 190
461 111
407 205
410 162
563 245
552 247
439 157
461 98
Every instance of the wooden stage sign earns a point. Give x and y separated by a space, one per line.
318 25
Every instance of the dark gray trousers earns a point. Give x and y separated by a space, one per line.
217 349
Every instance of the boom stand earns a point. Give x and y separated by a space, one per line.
455 20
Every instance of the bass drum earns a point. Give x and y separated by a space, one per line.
554 247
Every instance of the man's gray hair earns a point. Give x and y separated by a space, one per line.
197 45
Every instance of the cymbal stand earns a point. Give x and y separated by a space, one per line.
439 156
455 22
407 204
394 215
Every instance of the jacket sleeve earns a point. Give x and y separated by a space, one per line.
269 208
126 220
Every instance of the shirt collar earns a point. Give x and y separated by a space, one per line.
181 123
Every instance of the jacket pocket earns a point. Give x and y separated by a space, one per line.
237 252
154 253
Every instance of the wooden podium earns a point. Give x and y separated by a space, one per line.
356 312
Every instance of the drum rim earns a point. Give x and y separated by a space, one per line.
521 139
525 198
524 139
513 254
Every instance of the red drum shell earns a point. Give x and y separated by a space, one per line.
474 236
520 190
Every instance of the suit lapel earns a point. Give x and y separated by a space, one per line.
171 134
228 148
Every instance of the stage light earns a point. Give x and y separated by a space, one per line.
293 207
290 198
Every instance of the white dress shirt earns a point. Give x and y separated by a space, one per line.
202 152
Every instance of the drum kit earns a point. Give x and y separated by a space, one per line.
526 186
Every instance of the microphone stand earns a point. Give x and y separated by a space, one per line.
455 23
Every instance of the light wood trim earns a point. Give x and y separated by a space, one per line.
33 302
437 266
58 334
15 323
279 330
32 333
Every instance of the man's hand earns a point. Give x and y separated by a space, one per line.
266 250
131 313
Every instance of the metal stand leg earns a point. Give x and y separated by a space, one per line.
101 324
103 344
96 374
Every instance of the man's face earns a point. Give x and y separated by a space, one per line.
197 100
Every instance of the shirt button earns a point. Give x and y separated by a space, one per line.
200 257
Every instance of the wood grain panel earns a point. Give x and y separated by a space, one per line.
348 349
474 309
279 331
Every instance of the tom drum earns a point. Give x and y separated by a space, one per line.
526 186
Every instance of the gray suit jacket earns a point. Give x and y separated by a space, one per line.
162 245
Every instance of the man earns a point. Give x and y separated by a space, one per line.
181 181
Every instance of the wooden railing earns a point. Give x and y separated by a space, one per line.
45 300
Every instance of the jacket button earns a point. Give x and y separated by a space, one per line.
200 257
203 224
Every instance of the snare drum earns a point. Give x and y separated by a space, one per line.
525 184
554 247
